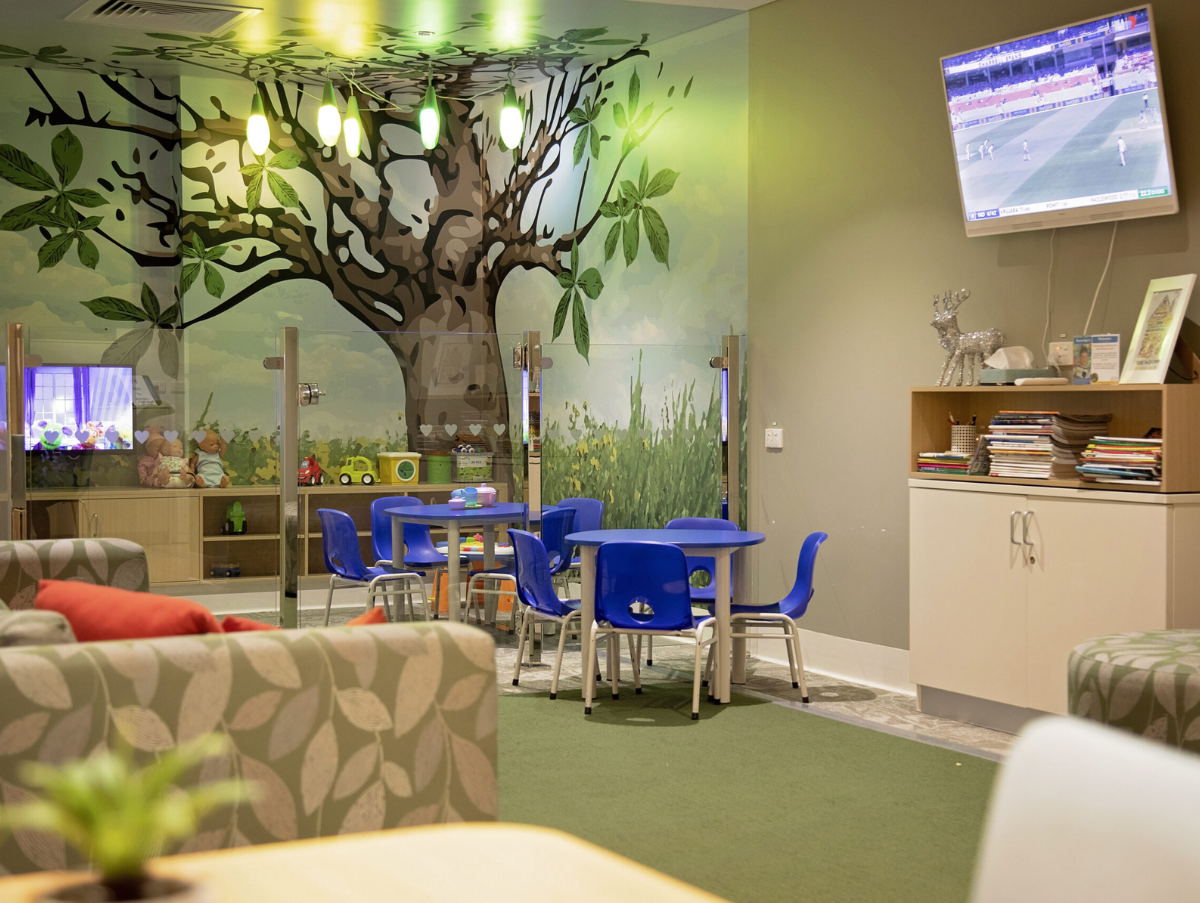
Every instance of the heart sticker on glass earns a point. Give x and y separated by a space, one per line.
475 428
170 435
141 435
228 435
426 429
500 428
198 435
451 428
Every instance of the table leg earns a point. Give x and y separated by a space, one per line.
489 562
453 571
723 639
587 606
397 543
740 594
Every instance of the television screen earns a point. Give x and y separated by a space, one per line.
1062 127
78 408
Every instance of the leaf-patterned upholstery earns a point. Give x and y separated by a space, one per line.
342 730
1146 683
107 562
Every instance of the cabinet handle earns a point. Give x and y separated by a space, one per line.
95 525
1025 534
1012 517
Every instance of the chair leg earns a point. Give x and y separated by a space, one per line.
696 680
328 602
788 635
649 651
562 640
437 592
708 666
800 663
424 597
589 682
525 622
614 655
637 670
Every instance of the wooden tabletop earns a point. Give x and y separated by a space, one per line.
500 863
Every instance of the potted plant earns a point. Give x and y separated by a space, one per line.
120 816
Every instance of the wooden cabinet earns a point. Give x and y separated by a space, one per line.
1004 583
163 523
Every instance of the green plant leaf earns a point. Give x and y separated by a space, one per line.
170 316
186 250
214 282
197 244
254 190
608 209
578 116
88 223
635 93
656 234
64 213
283 191
54 250
663 181
67 154
688 88
619 116
574 257
19 169
643 119
579 325
288 159
216 252
190 272
110 308
630 191
631 238
581 143
595 133
89 254
26 216
168 352
565 279
560 314
128 349
610 243
643 178
591 283
251 169
630 141
150 302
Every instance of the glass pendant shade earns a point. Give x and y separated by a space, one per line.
352 127
429 120
512 123
329 120
258 130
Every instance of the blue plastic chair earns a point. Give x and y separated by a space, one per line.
535 590
419 550
784 613
589 515
555 527
642 590
339 545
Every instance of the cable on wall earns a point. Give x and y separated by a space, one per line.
1112 241
1049 273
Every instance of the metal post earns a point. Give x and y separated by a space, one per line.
289 492
533 443
732 450
13 522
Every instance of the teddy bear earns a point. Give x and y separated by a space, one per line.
171 469
207 462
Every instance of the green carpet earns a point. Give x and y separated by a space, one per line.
754 802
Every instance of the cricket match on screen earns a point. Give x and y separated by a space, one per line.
1068 118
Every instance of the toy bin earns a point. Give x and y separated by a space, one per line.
472 467
399 468
437 467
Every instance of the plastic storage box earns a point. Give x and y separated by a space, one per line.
472 467
399 468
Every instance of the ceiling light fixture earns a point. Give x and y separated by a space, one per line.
512 119
329 120
352 127
429 118
258 130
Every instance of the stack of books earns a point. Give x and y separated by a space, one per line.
1069 436
943 462
1019 444
1117 460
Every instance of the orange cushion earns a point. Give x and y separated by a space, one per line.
370 616
234 624
106 613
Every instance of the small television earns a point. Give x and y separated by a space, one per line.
1062 127
78 408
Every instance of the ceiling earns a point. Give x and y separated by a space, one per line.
390 45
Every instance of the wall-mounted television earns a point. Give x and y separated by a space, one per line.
1062 127
75 408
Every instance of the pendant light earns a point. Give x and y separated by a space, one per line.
429 118
329 120
352 127
258 130
512 122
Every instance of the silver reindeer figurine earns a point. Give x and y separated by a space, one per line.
965 351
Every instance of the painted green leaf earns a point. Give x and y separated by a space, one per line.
619 116
88 223
214 282
578 116
54 250
254 190
594 132
283 191
217 252
581 141
89 254
574 257
168 352
643 119
688 88
656 234
608 209
630 191
85 197
635 93
170 316
251 169
643 178
18 168
190 272
288 159
110 308
64 213
579 325
591 283
150 301
186 250
26 216
197 244
565 279
630 141
560 315
128 349
632 238
663 181
610 243
67 153
14 51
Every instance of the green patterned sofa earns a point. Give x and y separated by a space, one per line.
1145 683
109 562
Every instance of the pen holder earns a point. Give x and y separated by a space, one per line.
962 439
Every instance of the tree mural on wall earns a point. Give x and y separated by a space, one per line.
409 284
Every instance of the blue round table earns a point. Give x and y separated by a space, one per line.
718 544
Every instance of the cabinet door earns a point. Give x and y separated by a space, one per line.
1097 568
967 594
165 525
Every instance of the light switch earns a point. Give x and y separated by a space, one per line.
775 438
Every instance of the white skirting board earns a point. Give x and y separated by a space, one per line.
221 601
862 663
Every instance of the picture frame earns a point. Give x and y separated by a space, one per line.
1158 326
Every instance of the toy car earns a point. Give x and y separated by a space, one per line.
226 570
235 520
310 472
357 469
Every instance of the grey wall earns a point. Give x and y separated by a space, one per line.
854 223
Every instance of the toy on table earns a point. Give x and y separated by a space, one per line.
226 570
235 520
469 495
208 462
310 472
357 469
171 468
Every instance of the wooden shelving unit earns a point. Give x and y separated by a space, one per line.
1135 409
